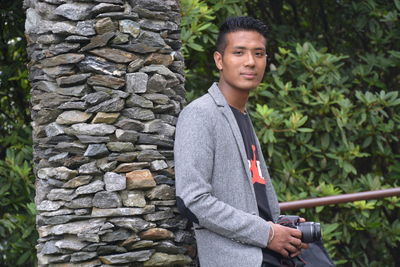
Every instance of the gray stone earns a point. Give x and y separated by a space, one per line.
146 147
78 181
130 27
163 202
89 168
141 48
172 120
111 105
134 224
92 129
104 7
45 86
96 98
50 248
93 139
61 194
160 127
116 235
98 41
115 55
73 228
131 166
143 244
79 105
105 25
160 69
110 249
169 247
184 237
59 158
69 58
155 140
78 90
106 166
47 205
118 15
136 82
57 212
64 28
106 200
85 28
96 150
149 155
154 25
138 101
129 124
121 146
133 198
91 188
56 259
34 24
151 39
159 215
135 65
81 212
146 13
79 203
126 135
106 81
114 181
74 11
138 256
158 165
101 66
112 92
70 244
77 39
159 59
156 83
117 212
54 129
72 79
162 192
73 116
60 173
138 113
120 38
157 98
58 71
82 256
163 259
48 39
123 157
164 108
155 5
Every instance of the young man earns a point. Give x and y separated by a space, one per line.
222 182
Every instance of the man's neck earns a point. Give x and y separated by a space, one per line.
235 98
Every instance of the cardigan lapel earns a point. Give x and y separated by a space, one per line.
226 110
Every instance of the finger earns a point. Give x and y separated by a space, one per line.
302 219
291 249
284 253
304 245
295 254
295 233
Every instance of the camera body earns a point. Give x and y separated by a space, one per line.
310 231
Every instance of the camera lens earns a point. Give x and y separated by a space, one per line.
311 231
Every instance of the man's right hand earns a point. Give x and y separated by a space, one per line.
286 241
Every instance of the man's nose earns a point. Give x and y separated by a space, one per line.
250 61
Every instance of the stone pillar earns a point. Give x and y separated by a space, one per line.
107 87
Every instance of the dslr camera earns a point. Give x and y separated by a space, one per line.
310 231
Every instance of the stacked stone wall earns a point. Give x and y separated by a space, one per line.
107 87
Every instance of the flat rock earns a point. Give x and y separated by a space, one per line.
73 228
167 246
89 168
111 105
126 135
129 124
99 41
69 58
123 157
77 105
131 166
156 234
117 235
74 11
73 116
47 205
135 65
114 181
138 113
82 256
116 212
133 198
105 25
134 224
58 71
96 150
110 249
130 27
156 83
121 146
54 129
106 7
106 200
106 81
78 90
160 127
163 259
159 59
70 244
120 38
79 203
162 192
149 155
60 173
91 188
102 117
138 101
61 194
155 140
158 25
78 181
85 28
127 257
159 215
136 82
140 179
96 98
72 79
115 55
158 165
101 66
93 129
85 139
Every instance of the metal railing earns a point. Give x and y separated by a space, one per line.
323 201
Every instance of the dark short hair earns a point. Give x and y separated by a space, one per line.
235 24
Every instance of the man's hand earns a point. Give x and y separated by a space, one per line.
286 241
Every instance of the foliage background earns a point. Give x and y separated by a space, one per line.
327 115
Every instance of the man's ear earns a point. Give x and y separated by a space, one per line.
218 60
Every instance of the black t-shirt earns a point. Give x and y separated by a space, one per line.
249 140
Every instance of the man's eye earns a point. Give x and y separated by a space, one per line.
238 53
260 54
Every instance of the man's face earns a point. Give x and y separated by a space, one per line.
243 63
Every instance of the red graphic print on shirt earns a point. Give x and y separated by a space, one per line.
256 176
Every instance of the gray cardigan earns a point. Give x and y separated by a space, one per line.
213 185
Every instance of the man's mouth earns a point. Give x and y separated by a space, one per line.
248 75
